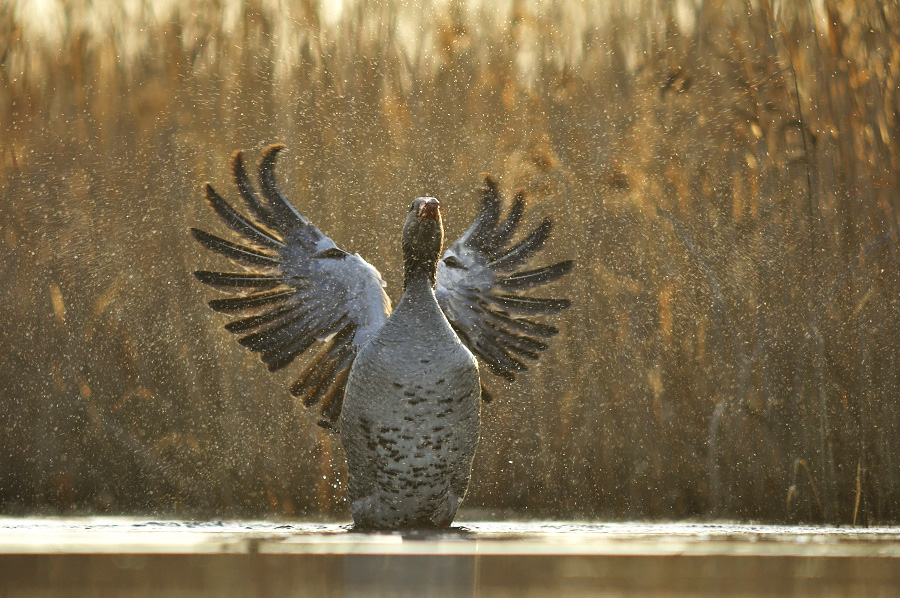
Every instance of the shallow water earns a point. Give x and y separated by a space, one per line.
97 556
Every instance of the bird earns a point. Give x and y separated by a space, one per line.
401 387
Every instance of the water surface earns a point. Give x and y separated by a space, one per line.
94 556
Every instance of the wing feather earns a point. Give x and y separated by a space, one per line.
255 321
300 289
247 229
524 249
248 194
236 253
537 277
506 230
484 294
245 302
237 280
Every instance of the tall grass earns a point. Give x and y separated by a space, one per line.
727 177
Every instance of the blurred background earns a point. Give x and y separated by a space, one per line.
725 173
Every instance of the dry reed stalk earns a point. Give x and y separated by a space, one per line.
730 176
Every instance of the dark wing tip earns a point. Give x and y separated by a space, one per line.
273 150
236 280
524 249
244 302
212 196
537 277
490 188
206 239
269 156
486 397
238 170
234 251
564 267
204 276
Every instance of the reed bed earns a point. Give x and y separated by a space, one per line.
726 175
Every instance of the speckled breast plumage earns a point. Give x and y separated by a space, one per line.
410 423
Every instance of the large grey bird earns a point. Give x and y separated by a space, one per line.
402 387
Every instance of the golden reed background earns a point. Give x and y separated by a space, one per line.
727 178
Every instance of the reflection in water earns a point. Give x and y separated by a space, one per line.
164 558
451 575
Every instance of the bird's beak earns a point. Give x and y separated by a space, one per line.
428 210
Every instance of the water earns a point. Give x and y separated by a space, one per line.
102 556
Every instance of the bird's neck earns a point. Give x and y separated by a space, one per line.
418 302
419 272
417 285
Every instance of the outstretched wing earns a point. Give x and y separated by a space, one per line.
297 288
483 284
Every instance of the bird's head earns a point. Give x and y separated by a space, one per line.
423 238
